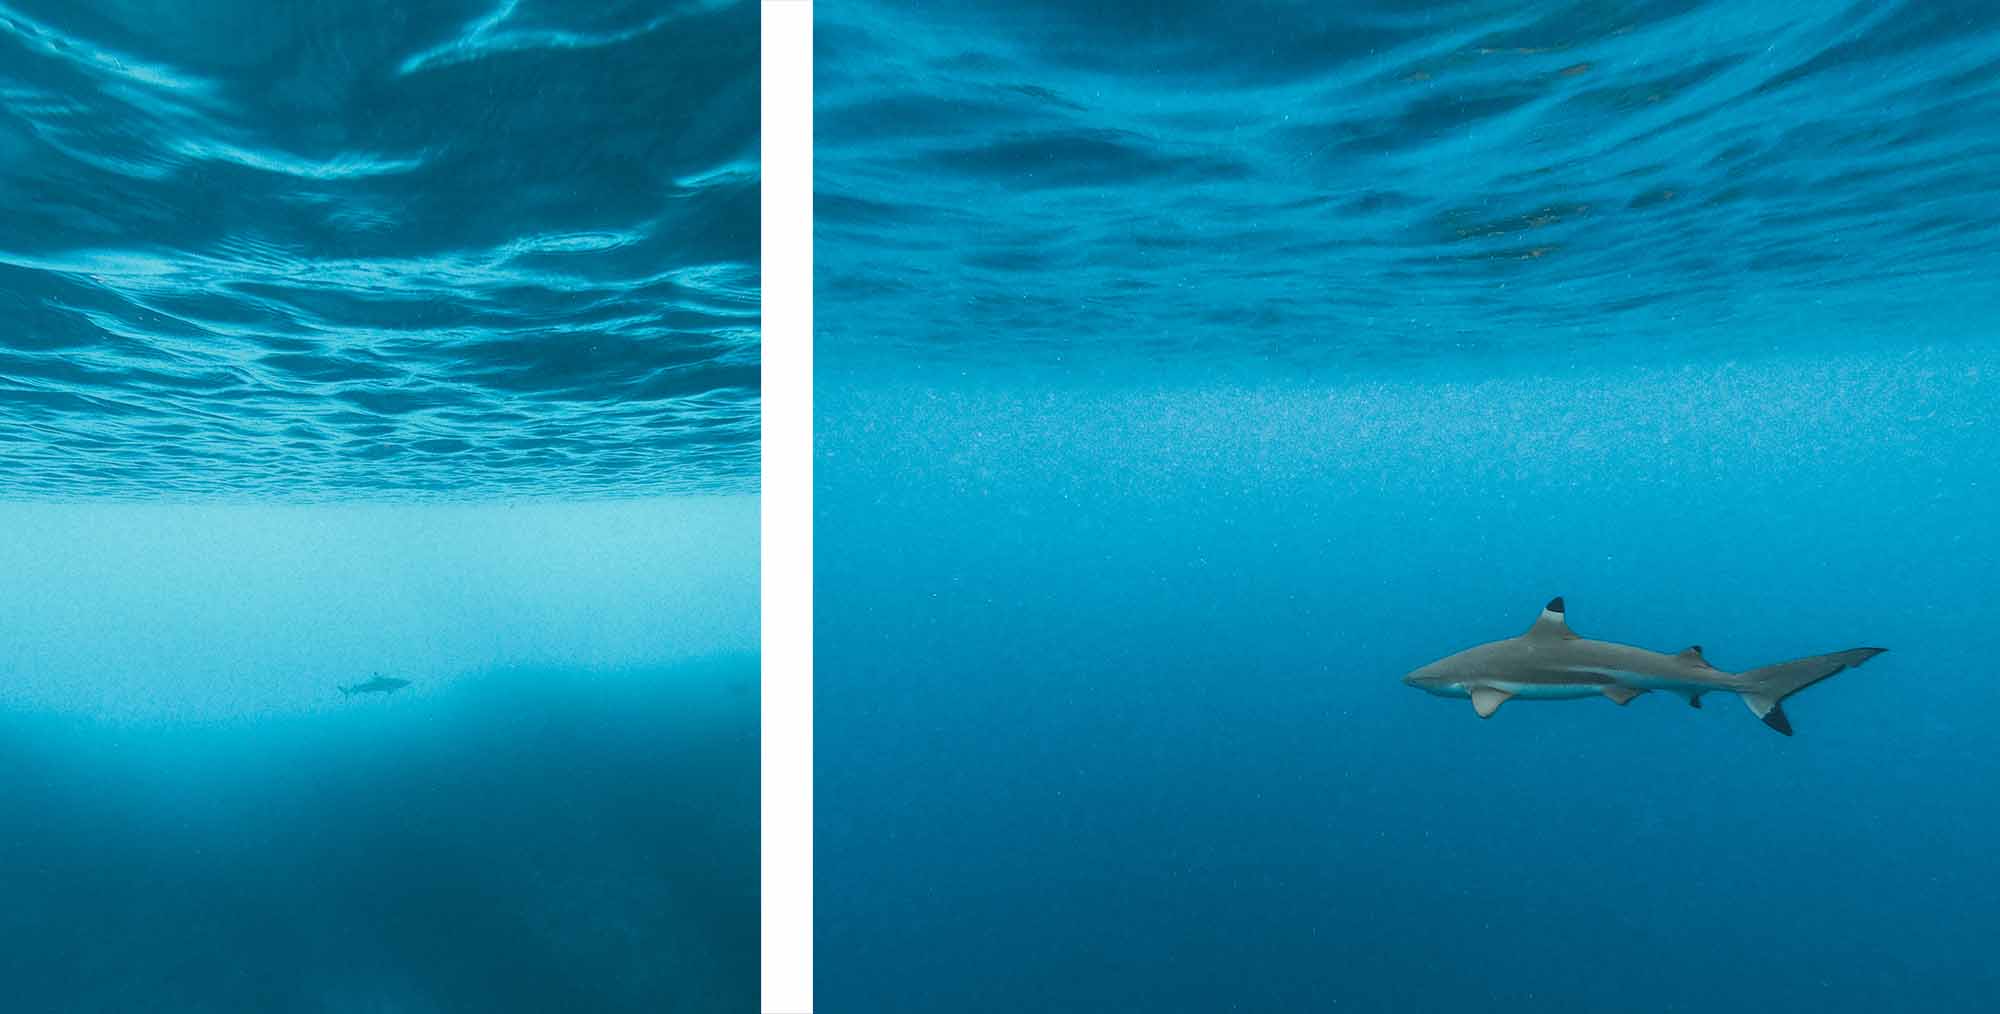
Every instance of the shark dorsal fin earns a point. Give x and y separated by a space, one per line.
1693 654
1551 622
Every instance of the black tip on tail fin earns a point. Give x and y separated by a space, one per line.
1775 718
1766 688
1555 605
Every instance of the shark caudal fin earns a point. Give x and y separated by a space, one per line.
1767 688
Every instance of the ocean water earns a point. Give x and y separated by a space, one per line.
1189 376
486 248
352 338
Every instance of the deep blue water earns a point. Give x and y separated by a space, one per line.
463 248
1187 377
523 840
559 812
364 336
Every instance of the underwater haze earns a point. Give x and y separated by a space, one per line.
1188 377
345 339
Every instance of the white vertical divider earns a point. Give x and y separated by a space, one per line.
787 490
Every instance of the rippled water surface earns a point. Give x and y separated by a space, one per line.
1388 181
456 249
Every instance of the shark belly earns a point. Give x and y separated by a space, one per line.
1547 691
1527 691
1673 684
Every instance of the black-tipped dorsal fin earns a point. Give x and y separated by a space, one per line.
1693 654
1551 622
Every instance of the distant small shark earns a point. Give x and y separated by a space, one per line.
1551 662
379 685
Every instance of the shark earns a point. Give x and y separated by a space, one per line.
379 685
1550 662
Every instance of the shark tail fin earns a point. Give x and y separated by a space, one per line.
1765 689
346 691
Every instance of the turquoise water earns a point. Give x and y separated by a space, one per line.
323 250
352 338
1386 182
1188 377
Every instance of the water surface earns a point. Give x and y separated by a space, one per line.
323 250
1049 182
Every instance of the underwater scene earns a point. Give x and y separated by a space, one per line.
379 395
1196 382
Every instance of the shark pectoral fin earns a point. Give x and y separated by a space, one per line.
1621 695
1487 700
1694 700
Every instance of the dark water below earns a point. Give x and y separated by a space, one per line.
523 840
1189 375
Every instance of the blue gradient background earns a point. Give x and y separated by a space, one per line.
1188 377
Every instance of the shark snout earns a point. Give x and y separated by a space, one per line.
1432 679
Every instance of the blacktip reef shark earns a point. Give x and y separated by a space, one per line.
379 685
1550 662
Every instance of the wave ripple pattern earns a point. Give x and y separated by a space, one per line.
1391 183
319 251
